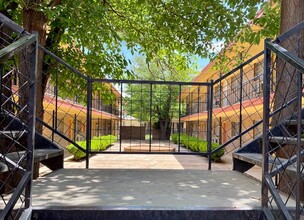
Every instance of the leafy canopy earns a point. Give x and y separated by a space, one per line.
158 101
94 30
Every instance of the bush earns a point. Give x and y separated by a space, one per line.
197 145
97 144
174 137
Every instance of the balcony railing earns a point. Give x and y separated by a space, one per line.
251 89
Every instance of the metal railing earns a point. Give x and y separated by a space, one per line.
123 108
212 111
282 184
67 120
237 105
228 109
18 57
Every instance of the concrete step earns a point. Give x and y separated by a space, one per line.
51 158
244 161
135 213
285 140
293 122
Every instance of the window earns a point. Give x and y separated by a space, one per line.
258 73
258 69
216 99
235 90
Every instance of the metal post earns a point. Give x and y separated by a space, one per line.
89 120
179 116
150 140
299 147
220 105
209 122
75 127
266 114
53 125
198 111
56 96
241 103
31 119
120 117
1 87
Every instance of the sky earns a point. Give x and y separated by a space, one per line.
201 62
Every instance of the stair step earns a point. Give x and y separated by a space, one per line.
285 140
131 213
12 134
39 154
253 158
293 122
3 167
257 159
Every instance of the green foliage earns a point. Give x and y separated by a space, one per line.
267 25
95 30
164 96
197 145
97 144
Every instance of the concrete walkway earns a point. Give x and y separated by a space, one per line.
147 189
148 181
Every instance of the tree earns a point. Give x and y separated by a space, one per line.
96 30
157 102
286 73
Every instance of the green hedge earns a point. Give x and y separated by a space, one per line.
97 144
197 145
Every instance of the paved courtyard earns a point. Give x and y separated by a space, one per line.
148 181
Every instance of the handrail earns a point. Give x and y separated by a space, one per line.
61 135
14 26
238 67
16 46
237 136
290 32
277 198
151 82
13 200
63 62
286 55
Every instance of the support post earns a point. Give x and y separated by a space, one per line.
150 119
31 118
299 146
179 116
266 114
209 122
241 102
120 116
89 121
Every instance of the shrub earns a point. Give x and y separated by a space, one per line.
197 145
174 137
97 144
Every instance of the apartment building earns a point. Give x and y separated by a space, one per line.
236 96
69 115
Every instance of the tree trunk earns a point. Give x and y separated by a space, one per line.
165 129
291 15
36 21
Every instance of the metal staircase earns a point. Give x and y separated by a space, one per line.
22 149
279 151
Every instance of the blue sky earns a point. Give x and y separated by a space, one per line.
201 62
